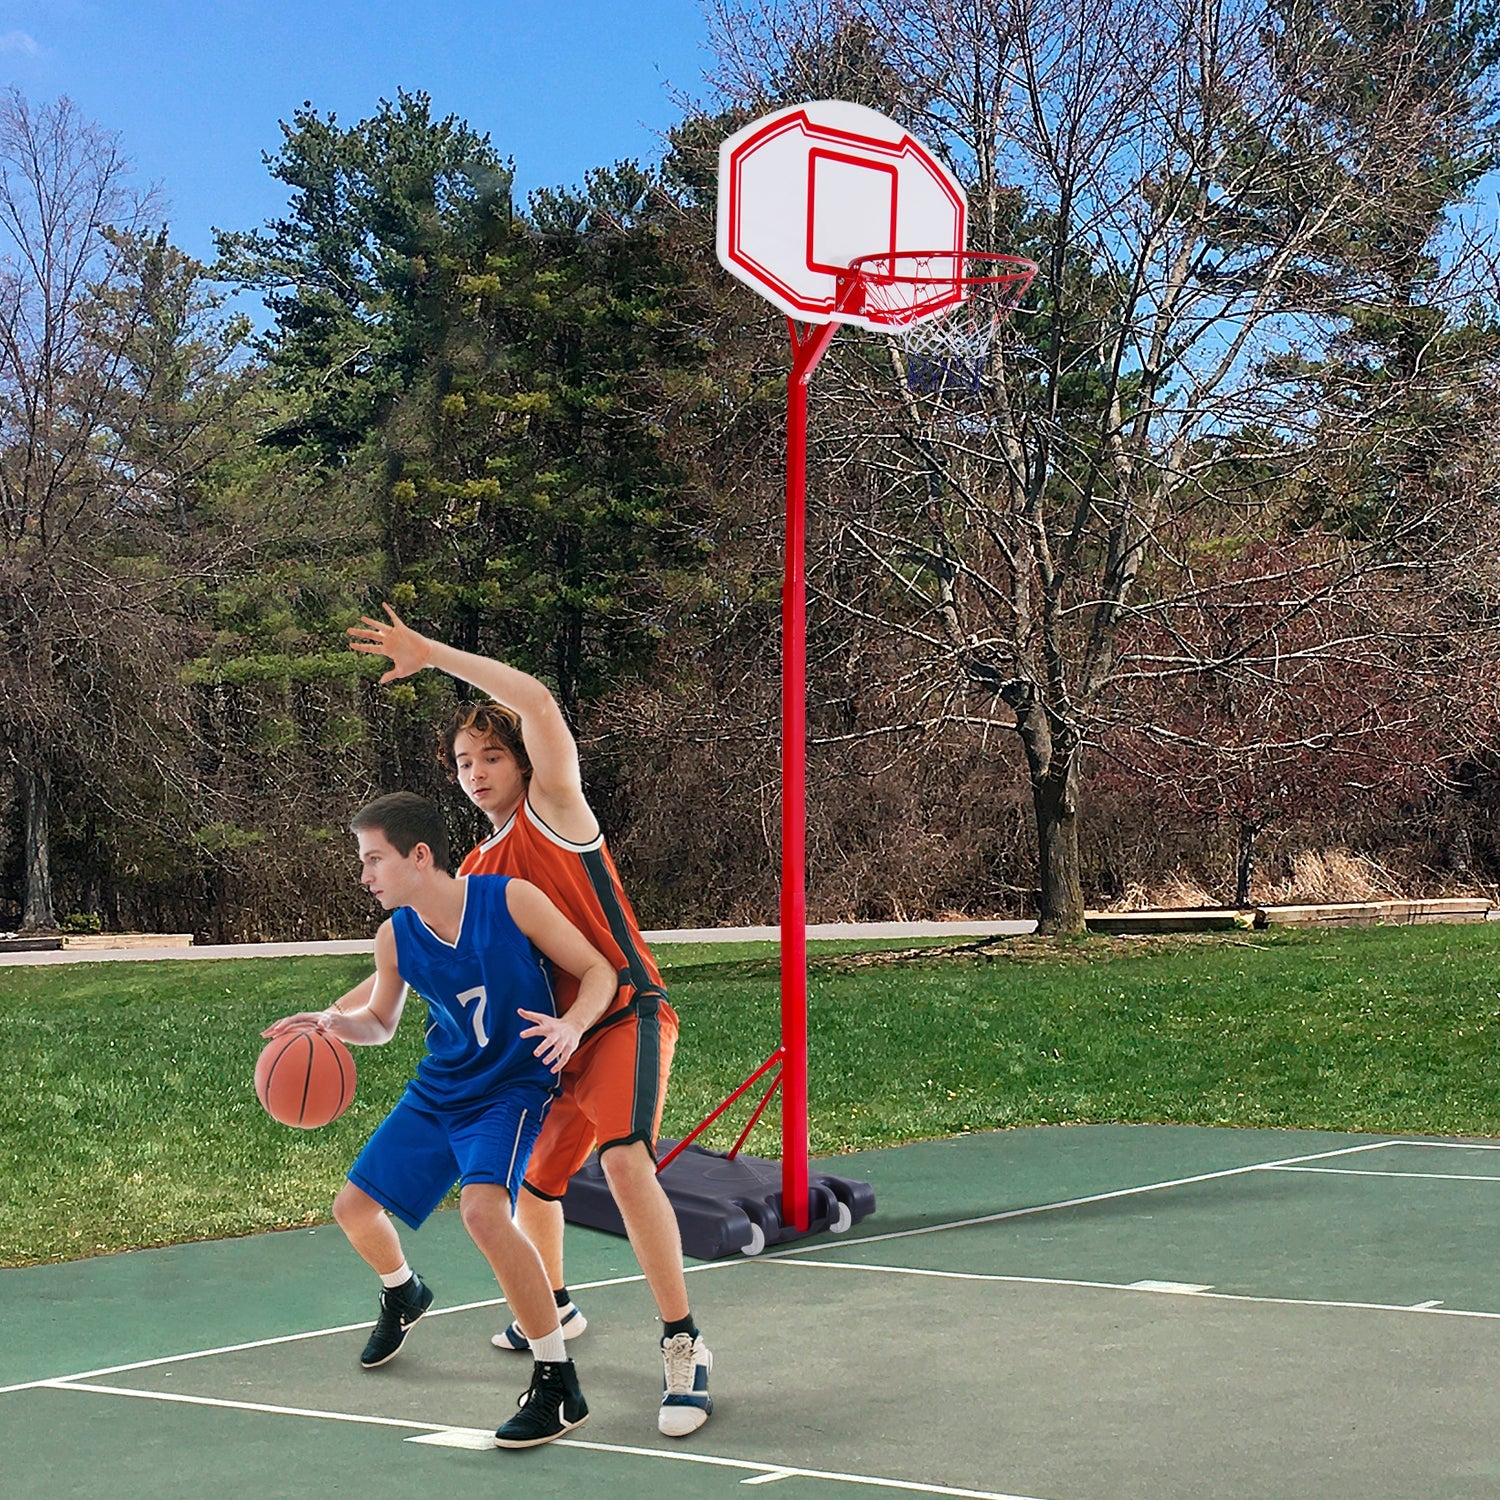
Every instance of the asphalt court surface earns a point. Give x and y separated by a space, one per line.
1069 1313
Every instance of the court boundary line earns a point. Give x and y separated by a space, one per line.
285 1338
1082 1202
1204 1294
768 1471
740 1262
765 1473
1437 1145
1422 1176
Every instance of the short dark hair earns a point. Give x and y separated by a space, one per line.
491 721
406 820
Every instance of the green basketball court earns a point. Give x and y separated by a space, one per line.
1065 1313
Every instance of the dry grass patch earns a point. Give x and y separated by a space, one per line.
1178 892
1332 875
1029 948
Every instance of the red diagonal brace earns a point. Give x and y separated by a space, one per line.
698 1130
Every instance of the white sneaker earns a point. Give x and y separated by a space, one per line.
685 1402
572 1320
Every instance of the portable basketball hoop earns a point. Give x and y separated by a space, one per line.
815 202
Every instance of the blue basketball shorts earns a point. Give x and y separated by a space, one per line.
418 1152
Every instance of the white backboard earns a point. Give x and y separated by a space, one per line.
805 190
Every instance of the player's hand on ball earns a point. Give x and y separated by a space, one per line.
304 1020
560 1037
409 652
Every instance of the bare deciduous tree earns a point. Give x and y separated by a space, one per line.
99 440
1195 205
1346 709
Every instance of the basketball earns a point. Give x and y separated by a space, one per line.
305 1078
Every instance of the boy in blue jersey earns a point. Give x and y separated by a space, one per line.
474 948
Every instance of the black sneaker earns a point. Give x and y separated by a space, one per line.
549 1407
400 1307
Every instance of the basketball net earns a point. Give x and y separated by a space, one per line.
910 291
948 356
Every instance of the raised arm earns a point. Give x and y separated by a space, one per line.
556 781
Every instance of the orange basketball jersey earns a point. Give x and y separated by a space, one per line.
582 881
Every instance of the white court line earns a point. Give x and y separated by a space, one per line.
1159 1289
467 1439
288 1338
1452 1145
172 1359
837 1243
179 1399
1046 1208
787 1471
1368 1172
438 1429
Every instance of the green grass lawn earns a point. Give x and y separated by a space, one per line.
131 1119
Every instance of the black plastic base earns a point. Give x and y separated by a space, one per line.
724 1207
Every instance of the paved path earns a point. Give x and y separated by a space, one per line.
827 930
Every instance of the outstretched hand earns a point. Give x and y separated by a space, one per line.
559 1035
409 652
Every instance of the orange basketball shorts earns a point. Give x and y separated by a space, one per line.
613 1089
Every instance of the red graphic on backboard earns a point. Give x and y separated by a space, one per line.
805 190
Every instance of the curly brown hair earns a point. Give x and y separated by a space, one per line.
490 721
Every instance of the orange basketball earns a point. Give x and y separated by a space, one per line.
305 1078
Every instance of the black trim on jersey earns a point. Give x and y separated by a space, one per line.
572 845
609 902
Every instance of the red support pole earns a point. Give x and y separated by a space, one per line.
807 350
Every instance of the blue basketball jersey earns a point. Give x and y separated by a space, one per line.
473 989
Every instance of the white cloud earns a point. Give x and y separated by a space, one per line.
19 41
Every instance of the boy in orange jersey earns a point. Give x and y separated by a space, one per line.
517 761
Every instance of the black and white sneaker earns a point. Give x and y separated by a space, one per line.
512 1339
549 1407
400 1307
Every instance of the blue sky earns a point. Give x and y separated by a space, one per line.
194 88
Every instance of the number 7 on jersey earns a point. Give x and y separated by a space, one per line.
476 994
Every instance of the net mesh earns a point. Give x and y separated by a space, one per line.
948 355
909 292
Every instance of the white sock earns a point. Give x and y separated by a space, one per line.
550 1350
399 1277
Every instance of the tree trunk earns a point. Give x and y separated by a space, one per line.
1053 764
1057 852
1244 863
36 788
569 660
